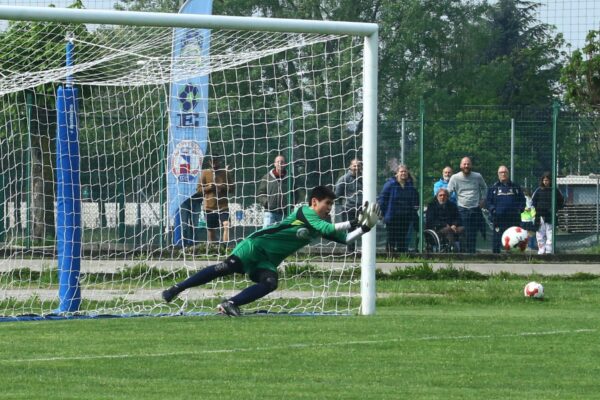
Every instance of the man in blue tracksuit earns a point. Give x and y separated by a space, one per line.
505 202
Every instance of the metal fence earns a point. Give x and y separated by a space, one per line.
520 139
525 140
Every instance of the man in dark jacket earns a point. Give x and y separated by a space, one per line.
442 217
505 202
277 192
348 190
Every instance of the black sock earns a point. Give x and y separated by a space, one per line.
250 294
201 277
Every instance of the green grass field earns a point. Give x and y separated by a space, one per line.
439 339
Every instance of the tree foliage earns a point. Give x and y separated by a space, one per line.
581 81
528 50
581 75
149 5
450 52
455 53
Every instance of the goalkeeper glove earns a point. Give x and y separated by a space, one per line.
361 216
371 217
367 218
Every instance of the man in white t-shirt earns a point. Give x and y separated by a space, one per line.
471 191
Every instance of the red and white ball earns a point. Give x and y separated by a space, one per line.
534 290
515 237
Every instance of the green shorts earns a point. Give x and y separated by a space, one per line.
252 257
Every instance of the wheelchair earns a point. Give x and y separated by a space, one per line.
436 243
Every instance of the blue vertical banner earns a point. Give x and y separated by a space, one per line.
188 114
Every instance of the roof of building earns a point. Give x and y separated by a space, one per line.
577 180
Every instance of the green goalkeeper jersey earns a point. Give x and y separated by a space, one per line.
268 247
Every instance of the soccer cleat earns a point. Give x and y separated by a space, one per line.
169 294
228 308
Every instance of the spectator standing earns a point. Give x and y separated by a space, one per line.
505 202
398 201
348 191
274 190
470 189
216 184
542 201
442 217
443 183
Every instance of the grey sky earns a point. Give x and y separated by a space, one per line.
574 18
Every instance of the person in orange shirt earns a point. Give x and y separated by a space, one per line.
216 185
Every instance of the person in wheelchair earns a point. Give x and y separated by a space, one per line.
443 220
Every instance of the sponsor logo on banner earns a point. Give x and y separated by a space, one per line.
190 94
189 97
186 160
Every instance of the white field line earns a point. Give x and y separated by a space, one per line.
294 346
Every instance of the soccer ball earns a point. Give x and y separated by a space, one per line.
515 237
534 290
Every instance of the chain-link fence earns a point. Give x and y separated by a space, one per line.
521 140
525 141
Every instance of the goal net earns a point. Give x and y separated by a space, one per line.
246 96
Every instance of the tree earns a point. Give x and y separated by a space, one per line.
581 82
429 50
528 50
581 75
149 5
483 55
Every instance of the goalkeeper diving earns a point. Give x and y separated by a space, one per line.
260 253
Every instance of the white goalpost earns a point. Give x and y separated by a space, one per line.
94 177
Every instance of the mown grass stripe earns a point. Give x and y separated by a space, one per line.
298 346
